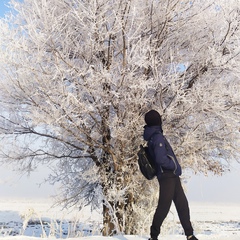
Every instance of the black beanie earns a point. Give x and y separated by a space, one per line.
153 118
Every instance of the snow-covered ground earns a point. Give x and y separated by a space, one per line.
23 219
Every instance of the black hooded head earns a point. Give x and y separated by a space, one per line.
153 118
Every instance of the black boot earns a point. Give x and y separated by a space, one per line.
191 238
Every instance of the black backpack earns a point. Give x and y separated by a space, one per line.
146 163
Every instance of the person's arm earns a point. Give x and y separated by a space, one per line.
160 152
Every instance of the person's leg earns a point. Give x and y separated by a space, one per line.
166 193
182 207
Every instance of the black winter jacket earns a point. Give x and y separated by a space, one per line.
161 151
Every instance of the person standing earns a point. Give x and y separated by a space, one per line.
168 172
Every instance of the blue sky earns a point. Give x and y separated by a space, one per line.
3 8
199 188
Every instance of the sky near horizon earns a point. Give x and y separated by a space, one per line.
199 188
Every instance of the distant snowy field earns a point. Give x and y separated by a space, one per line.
36 219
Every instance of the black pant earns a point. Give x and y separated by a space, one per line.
171 190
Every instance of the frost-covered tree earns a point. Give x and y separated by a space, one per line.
77 77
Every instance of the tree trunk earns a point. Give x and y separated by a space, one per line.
121 221
108 225
118 216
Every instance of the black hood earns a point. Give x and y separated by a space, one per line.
150 130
